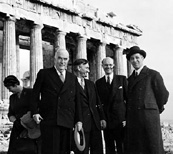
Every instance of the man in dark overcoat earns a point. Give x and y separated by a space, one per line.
147 96
92 111
56 105
112 90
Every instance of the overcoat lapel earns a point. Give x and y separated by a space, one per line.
133 82
88 93
67 82
55 78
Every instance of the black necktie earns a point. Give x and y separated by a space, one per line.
136 74
108 81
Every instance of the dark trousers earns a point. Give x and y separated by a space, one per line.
114 135
55 139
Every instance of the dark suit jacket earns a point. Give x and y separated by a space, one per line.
91 106
57 103
113 100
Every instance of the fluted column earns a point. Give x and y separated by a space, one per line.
129 68
101 54
60 40
36 52
9 51
119 61
81 47
17 57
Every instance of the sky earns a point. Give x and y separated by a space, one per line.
155 19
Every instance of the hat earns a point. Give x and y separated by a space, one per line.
26 75
11 80
30 124
134 50
79 139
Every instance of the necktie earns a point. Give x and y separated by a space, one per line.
136 74
82 83
61 76
108 80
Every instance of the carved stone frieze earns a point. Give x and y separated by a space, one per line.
88 19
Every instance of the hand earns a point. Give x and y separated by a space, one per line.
124 123
103 124
37 118
79 126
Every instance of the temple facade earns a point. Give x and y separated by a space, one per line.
43 26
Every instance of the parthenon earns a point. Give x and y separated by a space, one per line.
43 26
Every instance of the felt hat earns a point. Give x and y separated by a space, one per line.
79 139
30 124
134 50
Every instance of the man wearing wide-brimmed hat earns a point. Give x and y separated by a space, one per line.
147 96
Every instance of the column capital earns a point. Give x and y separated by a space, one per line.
38 26
80 37
9 18
60 32
103 43
83 36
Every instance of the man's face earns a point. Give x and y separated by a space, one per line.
108 66
136 60
61 60
84 70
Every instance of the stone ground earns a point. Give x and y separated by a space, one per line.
167 132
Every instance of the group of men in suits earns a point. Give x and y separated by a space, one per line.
62 100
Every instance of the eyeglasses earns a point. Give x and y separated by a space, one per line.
108 65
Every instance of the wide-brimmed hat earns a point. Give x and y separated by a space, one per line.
30 124
79 139
134 50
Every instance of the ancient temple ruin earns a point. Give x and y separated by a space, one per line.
43 26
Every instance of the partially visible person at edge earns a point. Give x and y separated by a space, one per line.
112 90
93 115
147 96
56 105
19 105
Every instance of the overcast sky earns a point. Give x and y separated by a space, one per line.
155 19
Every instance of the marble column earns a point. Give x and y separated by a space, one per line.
17 57
101 54
60 41
81 47
9 52
129 68
36 52
119 61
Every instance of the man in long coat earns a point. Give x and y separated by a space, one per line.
147 96
56 105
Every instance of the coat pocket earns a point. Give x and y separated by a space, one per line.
151 106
